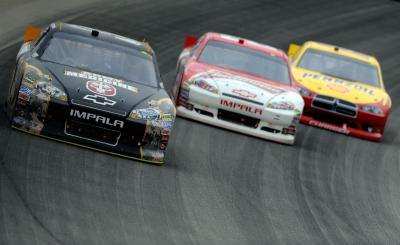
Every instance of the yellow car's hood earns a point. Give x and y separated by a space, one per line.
355 92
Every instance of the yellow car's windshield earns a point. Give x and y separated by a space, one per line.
340 66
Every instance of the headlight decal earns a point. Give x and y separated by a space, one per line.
42 85
162 109
32 103
202 82
303 91
30 79
52 91
205 85
281 105
296 118
184 93
159 118
372 109
145 114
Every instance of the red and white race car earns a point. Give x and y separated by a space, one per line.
239 85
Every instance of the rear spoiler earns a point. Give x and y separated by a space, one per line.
190 41
31 33
293 48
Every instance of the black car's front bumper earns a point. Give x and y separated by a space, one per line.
144 140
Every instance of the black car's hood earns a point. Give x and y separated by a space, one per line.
98 91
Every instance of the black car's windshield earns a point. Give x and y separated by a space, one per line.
102 57
247 60
340 66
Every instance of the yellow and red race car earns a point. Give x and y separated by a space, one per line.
342 89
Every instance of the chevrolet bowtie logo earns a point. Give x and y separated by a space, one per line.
100 100
244 93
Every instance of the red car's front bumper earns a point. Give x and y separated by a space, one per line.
364 125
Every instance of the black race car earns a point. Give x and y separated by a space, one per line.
91 88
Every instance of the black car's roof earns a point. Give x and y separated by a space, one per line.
100 35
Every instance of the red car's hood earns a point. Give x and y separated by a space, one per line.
240 84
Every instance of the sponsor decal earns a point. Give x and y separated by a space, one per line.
291 130
215 74
30 80
333 80
101 88
22 102
295 120
30 111
24 93
205 85
25 90
166 125
297 115
166 106
100 78
100 100
96 118
159 110
34 95
184 93
244 93
235 105
281 105
28 84
342 130
159 118
165 132
48 89
23 96
146 114
167 117
338 88
156 135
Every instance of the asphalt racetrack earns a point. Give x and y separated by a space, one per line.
218 187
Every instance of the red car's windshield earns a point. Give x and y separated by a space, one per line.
247 60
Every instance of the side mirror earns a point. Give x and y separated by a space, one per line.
190 41
293 48
31 33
